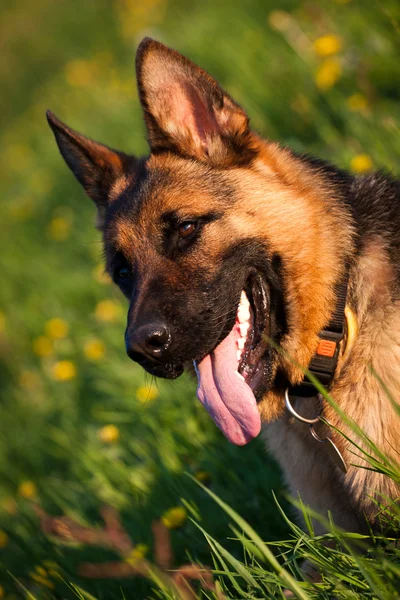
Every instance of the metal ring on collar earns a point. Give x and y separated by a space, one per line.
296 415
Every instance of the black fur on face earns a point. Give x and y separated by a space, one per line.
171 284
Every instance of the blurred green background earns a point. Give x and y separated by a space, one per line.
80 424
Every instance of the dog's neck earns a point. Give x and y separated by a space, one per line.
324 363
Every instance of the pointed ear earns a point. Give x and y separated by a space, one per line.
97 168
186 111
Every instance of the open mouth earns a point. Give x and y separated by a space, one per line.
231 377
253 319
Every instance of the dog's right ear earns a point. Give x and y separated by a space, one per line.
96 167
187 112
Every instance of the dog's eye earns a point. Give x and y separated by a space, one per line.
187 229
123 274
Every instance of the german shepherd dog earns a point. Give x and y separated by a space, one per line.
230 249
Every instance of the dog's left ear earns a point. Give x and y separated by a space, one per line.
186 111
96 167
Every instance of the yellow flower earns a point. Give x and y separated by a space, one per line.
203 477
56 329
79 73
100 276
10 505
107 311
94 349
357 103
328 73
27 489
327 45
361 163
42 346
147 393
3 539
174 517
279 20
138 553
109 434
64 370
59 229
41 571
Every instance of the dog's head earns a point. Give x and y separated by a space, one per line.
219 240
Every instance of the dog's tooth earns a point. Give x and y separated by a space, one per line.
239 375
240 343
243 314
243 328
244 302
239 354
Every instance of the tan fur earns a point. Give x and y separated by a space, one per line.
118 187
307 467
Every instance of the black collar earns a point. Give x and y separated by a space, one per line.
323 363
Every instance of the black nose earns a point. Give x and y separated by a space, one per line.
148 342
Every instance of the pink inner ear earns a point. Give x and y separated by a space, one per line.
187 111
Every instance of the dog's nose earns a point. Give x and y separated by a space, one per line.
148 342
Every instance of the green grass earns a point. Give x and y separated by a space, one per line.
77 59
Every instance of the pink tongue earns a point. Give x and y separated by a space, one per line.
228 398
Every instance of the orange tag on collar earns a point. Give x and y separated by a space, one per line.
326 348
